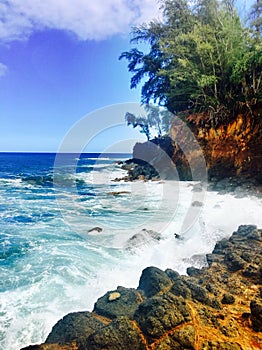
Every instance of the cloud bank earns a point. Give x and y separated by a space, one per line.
87 19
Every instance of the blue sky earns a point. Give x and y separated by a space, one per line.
59 62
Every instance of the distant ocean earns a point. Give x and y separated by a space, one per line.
69 233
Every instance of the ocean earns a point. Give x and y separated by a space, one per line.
69 233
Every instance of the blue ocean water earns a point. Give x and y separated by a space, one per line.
54 260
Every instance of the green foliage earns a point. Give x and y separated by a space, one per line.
200 56
156 118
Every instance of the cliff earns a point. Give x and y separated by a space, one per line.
233 147
218 307
200 148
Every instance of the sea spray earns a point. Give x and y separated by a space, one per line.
48 269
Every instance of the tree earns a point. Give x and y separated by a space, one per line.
155 118
256 17
140 121
200 57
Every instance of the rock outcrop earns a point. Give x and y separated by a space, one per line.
218 307
230 149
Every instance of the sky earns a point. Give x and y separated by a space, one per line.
59 63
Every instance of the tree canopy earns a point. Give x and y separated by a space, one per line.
200 56
155 118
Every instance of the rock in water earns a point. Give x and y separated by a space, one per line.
95 229
142 238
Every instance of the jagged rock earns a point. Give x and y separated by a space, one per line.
181 289
121 334
193 271
95 229
228 299
141 238
182 339
74 327
125 305
159 314
234 261
256 314
154 280
214 308
173 275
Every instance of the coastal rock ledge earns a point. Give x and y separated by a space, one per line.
216 307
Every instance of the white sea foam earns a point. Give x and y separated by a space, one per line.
63 268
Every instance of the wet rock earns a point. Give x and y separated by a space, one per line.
256 314
159 314
122 302
245 230
121 334
95 229
173 275
222 246
74 327
153 280
197 204
142 238
228 299
118 193
193 272
234 261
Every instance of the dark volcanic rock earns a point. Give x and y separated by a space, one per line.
228 299
121 334
154 280
76 327
122 302
160 314
256 314
180 340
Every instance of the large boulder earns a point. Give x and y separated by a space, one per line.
160 314
121 334
74 327
121 302
153 280
256 314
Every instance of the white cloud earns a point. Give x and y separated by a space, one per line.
88 19
3 69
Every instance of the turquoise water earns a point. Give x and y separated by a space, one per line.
50 262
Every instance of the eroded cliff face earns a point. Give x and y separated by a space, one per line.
199 148
231 148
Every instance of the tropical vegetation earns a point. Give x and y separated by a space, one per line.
201 56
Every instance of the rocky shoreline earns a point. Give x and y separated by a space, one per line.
162 159
218 307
